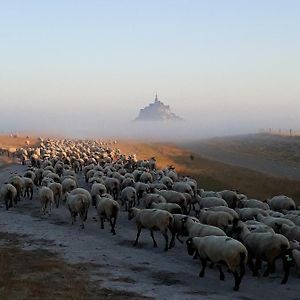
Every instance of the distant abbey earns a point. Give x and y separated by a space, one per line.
157 111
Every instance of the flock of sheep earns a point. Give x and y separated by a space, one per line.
222 228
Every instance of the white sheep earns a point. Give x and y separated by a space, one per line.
219 219
28 187
253 203
273 222
196 229
250 213
207 202
68 184
281 202
46 199
8 194
108 209
263 246
76 206
87 199
290 232
172 208
128 197
153 219
219 249
57 192
97 189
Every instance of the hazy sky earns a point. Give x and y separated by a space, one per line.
86 67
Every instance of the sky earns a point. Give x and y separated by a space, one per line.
85 68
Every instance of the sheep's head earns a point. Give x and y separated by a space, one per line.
190 246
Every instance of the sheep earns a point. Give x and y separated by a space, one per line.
290 232
46 199
167 181
230 197
107 209
204 194
18 183
128 197
153 219
97 189
174 197
234 254
255 226
263 246
127 182
57 192
87 199
281 202
195 229
183 187
294 218
253 203
249 213
8 194
207 202
158 186
219 219
231 211
275 214
146 177
272 222
141 189
148 199
68 184
28 187
76 205
113 186
172 208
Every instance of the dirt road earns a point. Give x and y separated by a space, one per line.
114 263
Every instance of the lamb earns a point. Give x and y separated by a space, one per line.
97 189
233 254
107 209
128 197
290 232
281 202
76 205
219 219
196 229
57 192
263 246
47 199
8 193
153 219
172 208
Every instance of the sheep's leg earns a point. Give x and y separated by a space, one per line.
177 236
6 204
165 234
251 267
102 222
154 242
137 236
222 275
196 255
286 259
31 195
203 262
237 281
267 272
112 224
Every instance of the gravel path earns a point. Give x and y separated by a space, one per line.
120 266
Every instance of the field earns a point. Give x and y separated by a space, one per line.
47 257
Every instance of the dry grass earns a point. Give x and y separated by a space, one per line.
213 175
7 141
40 274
